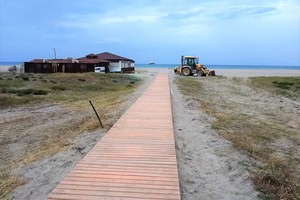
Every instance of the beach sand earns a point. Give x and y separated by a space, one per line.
256 72
4 68
237 72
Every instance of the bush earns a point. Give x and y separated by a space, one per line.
133 79
25 78
283 85
4 90
24 92
59 87
40 92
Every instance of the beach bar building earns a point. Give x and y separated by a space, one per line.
88 63
63 65
117 63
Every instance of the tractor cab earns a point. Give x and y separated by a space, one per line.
190 61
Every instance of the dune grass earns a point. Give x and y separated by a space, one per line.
275 172
8 181
35 88
286 86
72 91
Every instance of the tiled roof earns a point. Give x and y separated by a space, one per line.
112 57
69 60
104 57
91 60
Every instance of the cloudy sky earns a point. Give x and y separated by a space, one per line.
262 32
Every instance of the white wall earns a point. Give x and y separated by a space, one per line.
117 66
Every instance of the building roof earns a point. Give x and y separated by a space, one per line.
112 57
91 58
70 60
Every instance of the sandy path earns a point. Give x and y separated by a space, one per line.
4 68
209 167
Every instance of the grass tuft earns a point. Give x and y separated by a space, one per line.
59 88
8 182
286 86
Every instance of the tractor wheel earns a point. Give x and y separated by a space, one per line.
175 70
212 73
201 73
186 71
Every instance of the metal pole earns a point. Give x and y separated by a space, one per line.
96 114
54 53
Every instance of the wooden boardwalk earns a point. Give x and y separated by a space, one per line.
136 159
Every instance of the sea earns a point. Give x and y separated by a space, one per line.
209 66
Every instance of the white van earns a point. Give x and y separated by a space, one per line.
100 69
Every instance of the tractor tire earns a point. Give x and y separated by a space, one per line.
186 71
201 73
175 70
212 73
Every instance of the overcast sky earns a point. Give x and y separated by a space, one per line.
262 32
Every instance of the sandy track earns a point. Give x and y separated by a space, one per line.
209 167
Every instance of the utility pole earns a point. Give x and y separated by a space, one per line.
54 65
54 53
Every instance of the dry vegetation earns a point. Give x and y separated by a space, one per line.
261 117
42 114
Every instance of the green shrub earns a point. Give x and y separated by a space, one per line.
40 92
24 92
59 87
25 78
4 90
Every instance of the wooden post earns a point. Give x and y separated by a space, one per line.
96 114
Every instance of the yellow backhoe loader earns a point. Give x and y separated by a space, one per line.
190 66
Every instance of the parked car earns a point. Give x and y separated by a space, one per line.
100 69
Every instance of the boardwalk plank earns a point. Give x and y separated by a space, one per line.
136 159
